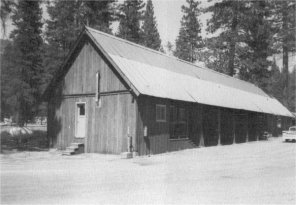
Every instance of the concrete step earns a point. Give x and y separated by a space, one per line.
77 144
74 148
70 149
68 152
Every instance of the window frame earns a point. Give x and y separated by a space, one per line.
161 106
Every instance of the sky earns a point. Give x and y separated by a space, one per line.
168 16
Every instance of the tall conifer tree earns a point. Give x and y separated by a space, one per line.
25 69
130 15
150 36
189 38
258 37
66 20
227 18
285 24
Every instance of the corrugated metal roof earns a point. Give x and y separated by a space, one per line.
159 75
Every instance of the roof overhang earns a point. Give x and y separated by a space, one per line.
152 80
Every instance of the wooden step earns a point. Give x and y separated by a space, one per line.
74 148
68 152
77 144
70 149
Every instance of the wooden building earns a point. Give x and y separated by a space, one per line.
113 95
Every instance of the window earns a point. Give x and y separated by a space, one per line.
81 109
98 79
160 113
178 122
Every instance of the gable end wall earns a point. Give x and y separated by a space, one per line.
108 121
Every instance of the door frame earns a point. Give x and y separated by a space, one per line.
76 118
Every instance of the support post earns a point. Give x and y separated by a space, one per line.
257 127
233 126
201 139
247 123
219 126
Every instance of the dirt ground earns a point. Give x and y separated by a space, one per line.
252 173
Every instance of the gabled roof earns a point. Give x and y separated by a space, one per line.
153 73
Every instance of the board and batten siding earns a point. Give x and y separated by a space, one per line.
113 120
80 79
158 139
108 121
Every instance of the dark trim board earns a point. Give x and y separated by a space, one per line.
119 92
79 95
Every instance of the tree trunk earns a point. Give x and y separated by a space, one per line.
232 40
231 58
285 53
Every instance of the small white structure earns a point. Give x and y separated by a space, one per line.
20 131
290 135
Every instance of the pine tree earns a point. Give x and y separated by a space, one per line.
99 14
258 37
277 86
284 20
228 17
292 91
215 55
189 38
129 20
276 82
150 35
8 77
67 18
66 21
24 70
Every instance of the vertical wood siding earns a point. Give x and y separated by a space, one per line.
80 79
107 122
210 125
226 126
158 132
158 140
241 126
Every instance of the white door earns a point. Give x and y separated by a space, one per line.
80 120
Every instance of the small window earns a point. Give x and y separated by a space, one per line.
160 113
81 109
98 79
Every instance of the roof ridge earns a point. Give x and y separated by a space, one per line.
166 55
